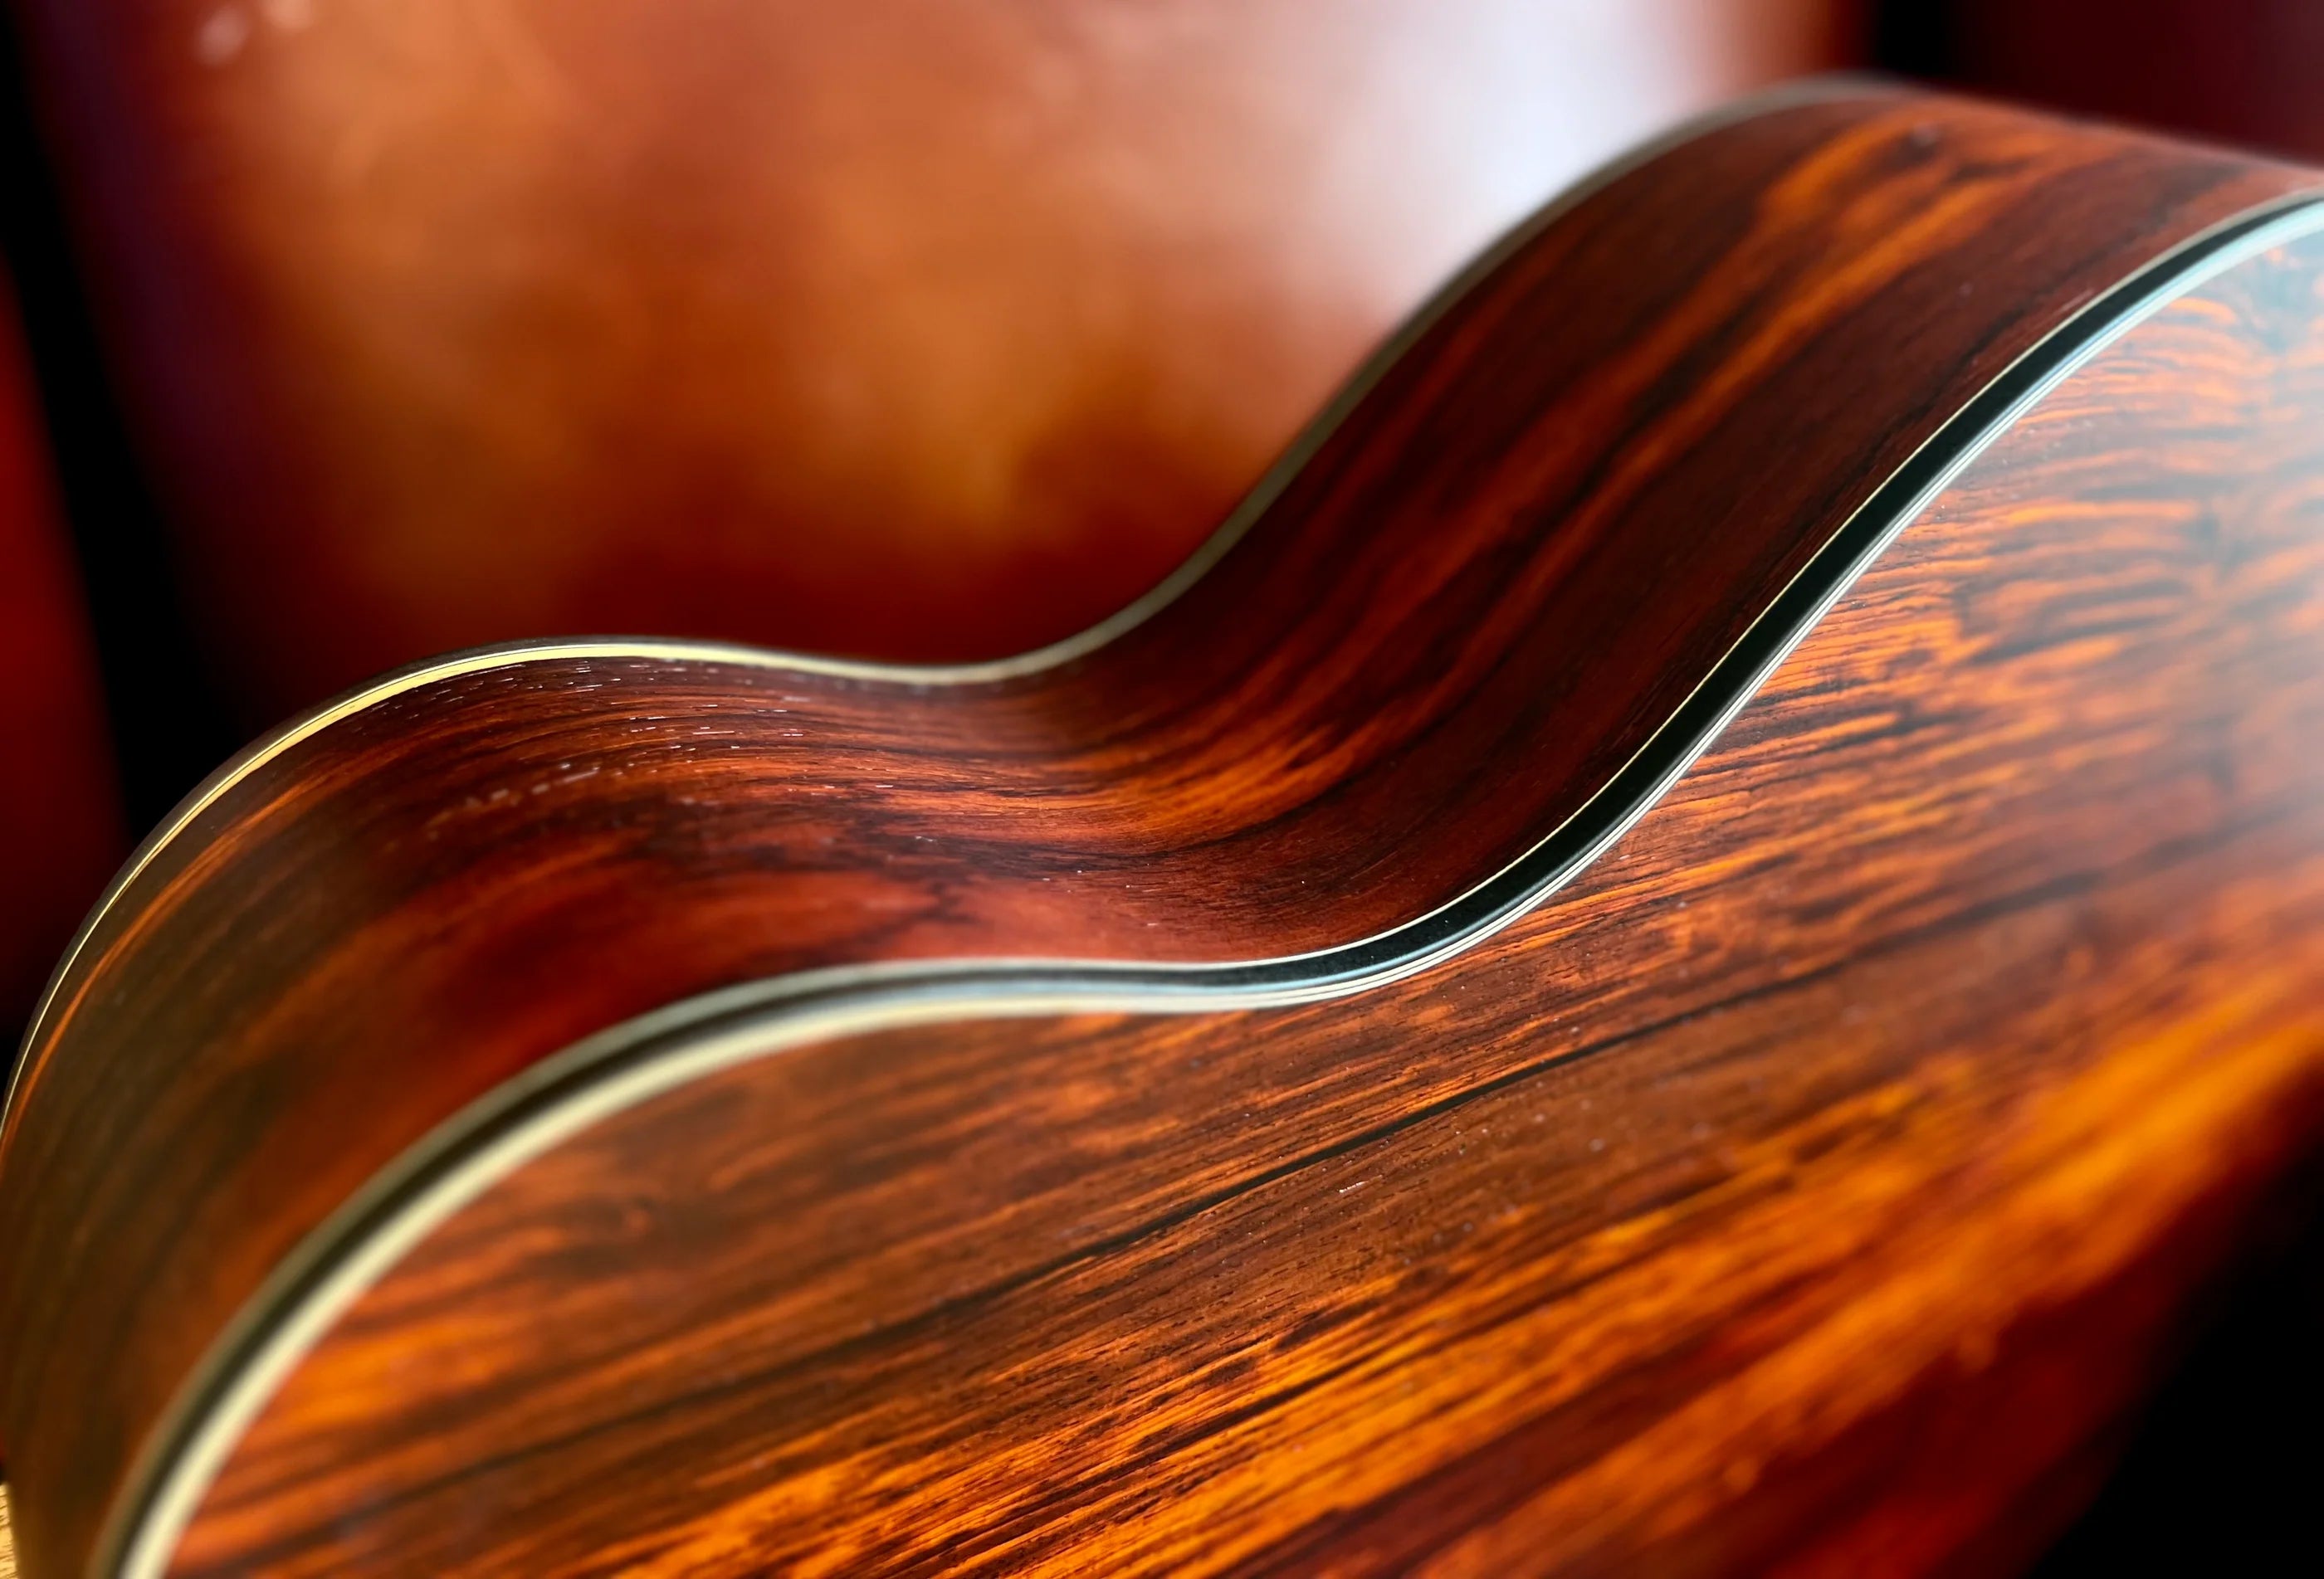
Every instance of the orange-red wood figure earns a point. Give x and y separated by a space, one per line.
1677 953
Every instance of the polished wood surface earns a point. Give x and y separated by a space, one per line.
1921 1014
1938 1030
60 827
912 328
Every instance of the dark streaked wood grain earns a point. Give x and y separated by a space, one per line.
1476 600
1803 1185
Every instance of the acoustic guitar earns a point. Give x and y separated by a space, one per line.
1676 952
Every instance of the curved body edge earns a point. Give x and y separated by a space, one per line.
419 1021
454 665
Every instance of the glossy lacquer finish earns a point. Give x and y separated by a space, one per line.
1944 1021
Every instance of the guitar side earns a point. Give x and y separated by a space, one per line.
830 1199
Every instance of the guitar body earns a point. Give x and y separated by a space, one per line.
1677 953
